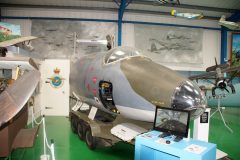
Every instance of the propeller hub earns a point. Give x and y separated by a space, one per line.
222 84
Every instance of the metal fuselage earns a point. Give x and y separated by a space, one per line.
138 85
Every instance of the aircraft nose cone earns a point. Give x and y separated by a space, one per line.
188 96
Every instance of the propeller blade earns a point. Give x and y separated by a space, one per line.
226 90
231 69
213 91
232 88
210 81
232 76
202 76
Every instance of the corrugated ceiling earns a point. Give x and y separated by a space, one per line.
210 8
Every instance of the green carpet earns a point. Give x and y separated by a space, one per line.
69 147
219 134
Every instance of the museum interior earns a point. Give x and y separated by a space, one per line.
120 80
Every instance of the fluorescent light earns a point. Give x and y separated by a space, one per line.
120 53
113 57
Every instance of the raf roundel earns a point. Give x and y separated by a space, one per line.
56 79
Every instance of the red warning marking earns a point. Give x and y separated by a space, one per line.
94 91
94 79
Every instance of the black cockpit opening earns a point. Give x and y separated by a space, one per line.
106 96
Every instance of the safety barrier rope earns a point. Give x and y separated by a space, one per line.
45 140
34 118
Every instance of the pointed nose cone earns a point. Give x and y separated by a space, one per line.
162 86
188 96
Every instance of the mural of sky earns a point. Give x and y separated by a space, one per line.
14 29
57 37
235 55
9 31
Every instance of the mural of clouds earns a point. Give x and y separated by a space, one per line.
167 44
56 37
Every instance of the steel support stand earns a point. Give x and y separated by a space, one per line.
220 112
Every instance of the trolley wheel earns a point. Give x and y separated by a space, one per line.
80 130
90 140
73 125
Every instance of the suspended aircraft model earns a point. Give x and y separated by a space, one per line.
186 15
123 83
228 24
14 96
167 2
218 73
25 41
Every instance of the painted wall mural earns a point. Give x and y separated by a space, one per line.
57 38
167 44
9 31
235 49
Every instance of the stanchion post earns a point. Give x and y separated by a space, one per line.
52 149
32 116
44 136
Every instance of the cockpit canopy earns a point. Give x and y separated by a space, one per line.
120 53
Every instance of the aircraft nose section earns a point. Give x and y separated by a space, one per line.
188 96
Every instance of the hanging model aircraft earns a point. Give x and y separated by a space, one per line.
218 73
167 2
186 15
228 24
124 83
17 41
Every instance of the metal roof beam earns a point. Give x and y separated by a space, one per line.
129 1
121 9
223 44
96 8
120 16
163 13
116 2
123 6
56 7
186 6
145 2
235 17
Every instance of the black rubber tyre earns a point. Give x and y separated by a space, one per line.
73 125
80 130
90 140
